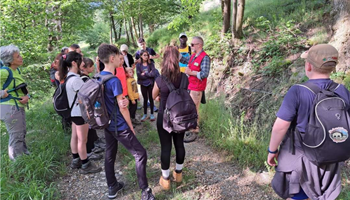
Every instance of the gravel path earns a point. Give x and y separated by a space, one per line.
207 175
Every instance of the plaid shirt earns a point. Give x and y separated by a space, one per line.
205 65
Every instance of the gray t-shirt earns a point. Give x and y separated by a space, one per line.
72 87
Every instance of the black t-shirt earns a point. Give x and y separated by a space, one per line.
164 91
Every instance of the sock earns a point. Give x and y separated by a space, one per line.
178 168
75 155
84 161
166 173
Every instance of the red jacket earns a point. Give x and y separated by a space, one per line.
196 84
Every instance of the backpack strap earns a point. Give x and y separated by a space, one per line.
169 84
76 94
333 86
184 81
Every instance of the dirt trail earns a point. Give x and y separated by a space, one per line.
207 175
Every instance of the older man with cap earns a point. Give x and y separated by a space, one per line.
184 50
128 59
297 176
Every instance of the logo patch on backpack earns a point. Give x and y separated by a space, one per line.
338 134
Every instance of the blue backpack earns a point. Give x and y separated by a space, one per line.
7 83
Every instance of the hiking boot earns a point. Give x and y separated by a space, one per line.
164 183
94 156
76 163
98 150
190 137
177 177
113 191
89 168
144 117
100 143
152 118
135 121
147 194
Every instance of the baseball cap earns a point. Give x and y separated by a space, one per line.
182 34
124 47
321 54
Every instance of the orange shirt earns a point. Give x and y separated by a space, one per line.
122 77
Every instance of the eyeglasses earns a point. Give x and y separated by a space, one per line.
194 44
145 55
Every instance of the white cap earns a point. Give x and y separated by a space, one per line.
124 47
182 34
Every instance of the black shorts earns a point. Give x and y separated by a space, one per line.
78 120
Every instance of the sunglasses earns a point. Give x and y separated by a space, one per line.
194 44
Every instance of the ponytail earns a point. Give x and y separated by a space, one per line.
66 63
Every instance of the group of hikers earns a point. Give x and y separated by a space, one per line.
299 175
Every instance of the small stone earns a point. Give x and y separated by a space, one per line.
208 172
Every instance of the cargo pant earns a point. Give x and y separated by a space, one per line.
15 121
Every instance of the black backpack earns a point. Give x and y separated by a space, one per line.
326 138
180 112
60 100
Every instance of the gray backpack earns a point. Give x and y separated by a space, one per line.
92 103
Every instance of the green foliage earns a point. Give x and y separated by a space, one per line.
33 26
97 35
31 177
243 141
276 66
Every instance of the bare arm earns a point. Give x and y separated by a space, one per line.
155 92
155 56
279 130
125 111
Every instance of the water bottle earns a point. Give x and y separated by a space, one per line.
98 109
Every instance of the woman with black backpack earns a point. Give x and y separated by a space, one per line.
171 70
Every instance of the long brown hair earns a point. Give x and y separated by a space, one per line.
170 63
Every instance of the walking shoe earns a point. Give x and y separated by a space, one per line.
144 117
135 121
164 183
89 168
76 163
147 194
113 191
98 150
177 177
94 156
152 118
190 137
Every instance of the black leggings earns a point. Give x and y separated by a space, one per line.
92 137
132 109
166 144
147 95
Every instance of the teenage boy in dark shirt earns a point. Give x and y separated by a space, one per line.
125 134
296 176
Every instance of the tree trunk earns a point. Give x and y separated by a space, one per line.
234 19
240 14
120 29
111 35
126 31
141 26
226 16
134 27
132 35
113 27
151 28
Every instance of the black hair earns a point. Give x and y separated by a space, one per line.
66 63
88 62
140 40
105 51
74 46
